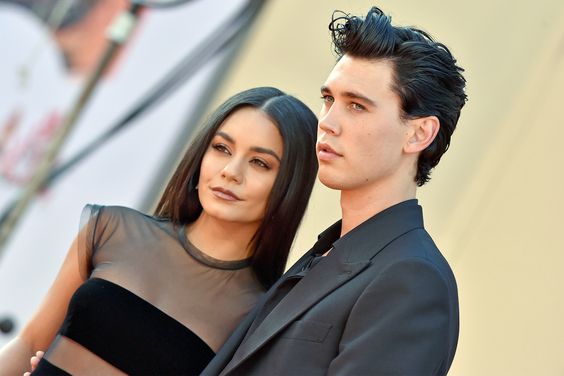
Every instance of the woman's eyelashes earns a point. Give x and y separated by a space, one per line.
224 149
221 148
260 163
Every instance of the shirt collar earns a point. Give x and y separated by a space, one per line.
379 229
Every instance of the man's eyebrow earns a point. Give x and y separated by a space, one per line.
258 149
325 89
351 95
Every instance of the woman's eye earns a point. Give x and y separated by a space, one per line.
221 148
260 163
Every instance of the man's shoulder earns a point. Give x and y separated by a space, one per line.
418 248
418 243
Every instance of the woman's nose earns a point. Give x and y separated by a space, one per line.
232 171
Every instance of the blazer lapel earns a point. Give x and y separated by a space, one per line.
302 297
352 253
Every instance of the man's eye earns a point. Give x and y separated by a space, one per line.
327 98
357 107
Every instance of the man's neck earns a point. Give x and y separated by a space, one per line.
358 205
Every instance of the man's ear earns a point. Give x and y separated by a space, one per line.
422 133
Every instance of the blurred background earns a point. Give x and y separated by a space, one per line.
493 205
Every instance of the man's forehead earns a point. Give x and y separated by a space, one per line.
359 75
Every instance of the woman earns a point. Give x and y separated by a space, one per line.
160 295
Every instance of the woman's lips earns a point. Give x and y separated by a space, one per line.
225 194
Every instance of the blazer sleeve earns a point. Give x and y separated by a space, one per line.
399 325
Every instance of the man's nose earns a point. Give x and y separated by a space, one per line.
329 121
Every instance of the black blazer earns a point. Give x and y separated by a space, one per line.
383 302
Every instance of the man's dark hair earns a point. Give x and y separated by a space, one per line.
426 77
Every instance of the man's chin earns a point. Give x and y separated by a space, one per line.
331 182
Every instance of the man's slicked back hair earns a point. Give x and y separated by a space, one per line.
426 77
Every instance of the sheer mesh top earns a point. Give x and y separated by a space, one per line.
152 303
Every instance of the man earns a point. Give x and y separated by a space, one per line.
374 296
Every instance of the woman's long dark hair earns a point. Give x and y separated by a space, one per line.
291 190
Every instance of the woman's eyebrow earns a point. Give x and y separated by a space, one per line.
262 150
258 149
225 136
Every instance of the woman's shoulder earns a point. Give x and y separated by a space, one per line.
118 211
116 215
107 226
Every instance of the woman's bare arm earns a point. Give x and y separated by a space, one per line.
40 331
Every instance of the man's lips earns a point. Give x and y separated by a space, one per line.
325 152
225 194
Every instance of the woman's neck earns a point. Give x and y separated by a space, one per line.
221 240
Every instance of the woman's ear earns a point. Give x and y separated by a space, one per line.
422 133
